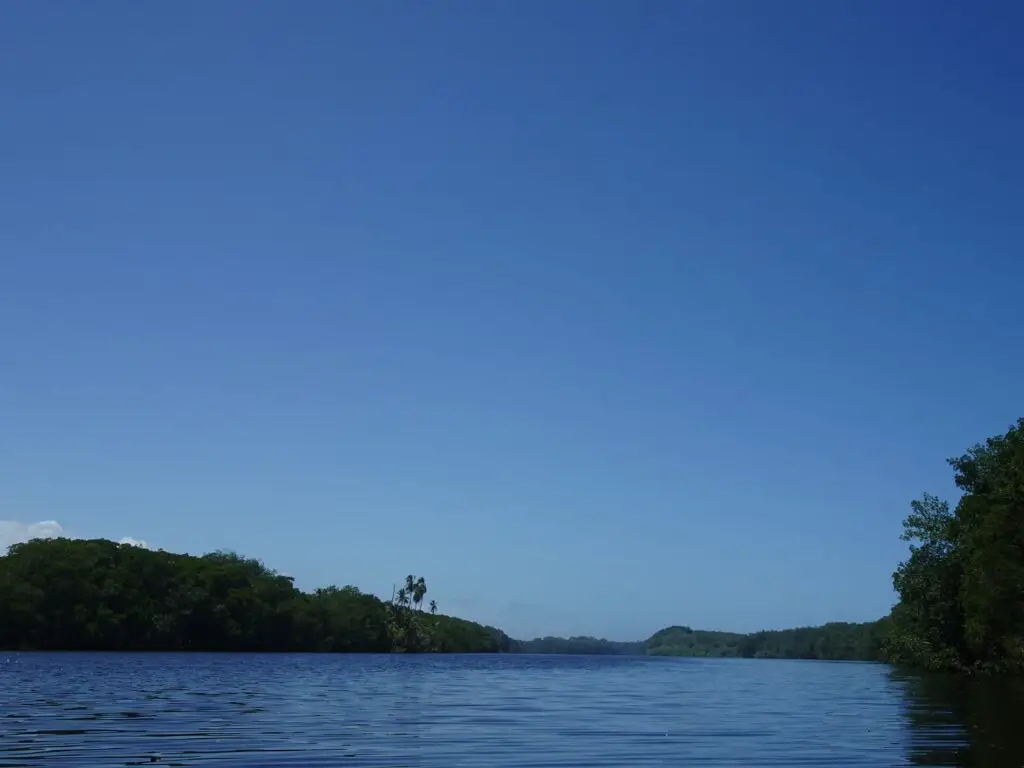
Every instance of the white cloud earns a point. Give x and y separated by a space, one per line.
13 532
133 542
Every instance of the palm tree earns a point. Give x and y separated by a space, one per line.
419 591
415 588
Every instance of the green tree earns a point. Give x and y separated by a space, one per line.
415 589
929 617
990 518
409 631
961 590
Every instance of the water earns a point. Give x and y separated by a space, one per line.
511 711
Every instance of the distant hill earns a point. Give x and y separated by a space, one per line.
835 641
577 645
683 641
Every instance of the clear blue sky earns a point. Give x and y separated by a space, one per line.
602 316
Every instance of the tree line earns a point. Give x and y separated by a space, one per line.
63 594
961 597
836 641
579 645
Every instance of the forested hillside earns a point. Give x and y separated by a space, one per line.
98 595
836 641
684 641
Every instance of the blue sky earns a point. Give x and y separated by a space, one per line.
602 316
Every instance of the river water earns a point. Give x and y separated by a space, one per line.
94 710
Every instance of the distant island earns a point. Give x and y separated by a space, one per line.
961 598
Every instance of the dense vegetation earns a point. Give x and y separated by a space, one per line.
961 590
97 595
836 641
684 641
833 641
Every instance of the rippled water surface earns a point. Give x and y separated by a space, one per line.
517 711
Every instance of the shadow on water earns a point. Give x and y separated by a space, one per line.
975 722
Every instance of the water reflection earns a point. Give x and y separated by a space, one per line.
964 722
